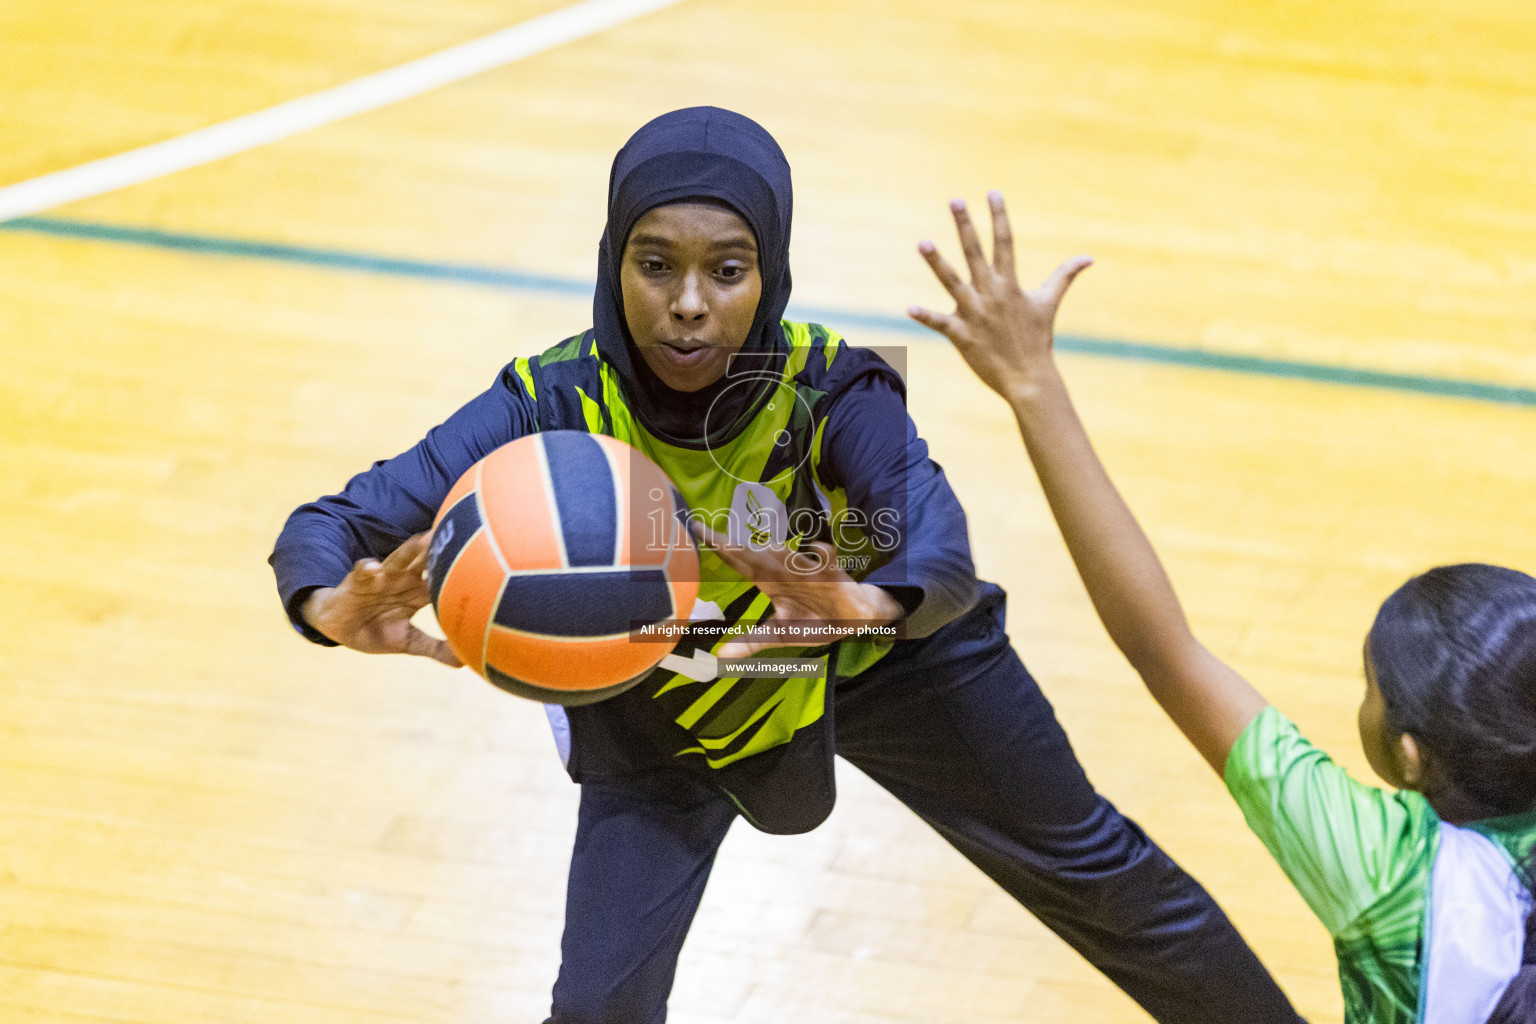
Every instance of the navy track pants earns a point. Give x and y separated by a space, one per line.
955 728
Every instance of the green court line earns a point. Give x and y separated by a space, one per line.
514 280
526 281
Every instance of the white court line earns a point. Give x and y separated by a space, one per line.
358 96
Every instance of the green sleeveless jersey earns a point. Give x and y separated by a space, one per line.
765 742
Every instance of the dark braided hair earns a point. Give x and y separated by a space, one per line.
1454 652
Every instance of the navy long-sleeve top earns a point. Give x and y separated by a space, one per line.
871 449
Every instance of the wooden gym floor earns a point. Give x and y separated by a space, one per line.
204 819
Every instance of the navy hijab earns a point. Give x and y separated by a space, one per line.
713 155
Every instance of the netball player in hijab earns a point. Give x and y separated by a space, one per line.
781 432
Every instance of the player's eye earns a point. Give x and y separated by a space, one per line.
652 265
732 272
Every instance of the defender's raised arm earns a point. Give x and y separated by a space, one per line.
1006 335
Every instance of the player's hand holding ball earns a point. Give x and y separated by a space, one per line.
371 609
1001 330
807 588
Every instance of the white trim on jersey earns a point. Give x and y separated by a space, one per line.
1477 913
560 725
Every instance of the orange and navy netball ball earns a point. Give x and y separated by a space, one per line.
549 558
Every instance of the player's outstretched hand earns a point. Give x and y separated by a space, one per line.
1002 331
808 589
370 611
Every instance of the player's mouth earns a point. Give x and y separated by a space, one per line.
683 353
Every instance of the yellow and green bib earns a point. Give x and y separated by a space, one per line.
765 742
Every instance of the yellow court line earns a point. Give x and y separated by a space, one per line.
317 109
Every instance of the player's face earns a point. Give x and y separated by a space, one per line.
691 284
1380 740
